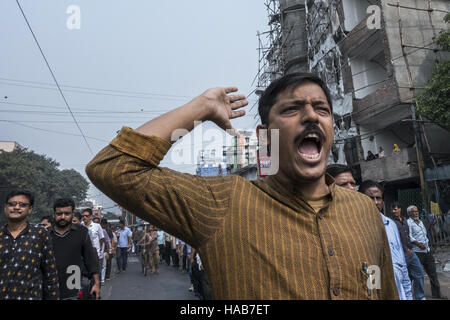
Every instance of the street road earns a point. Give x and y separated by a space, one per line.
169 284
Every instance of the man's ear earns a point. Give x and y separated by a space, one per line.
261 141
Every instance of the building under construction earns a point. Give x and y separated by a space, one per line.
375 56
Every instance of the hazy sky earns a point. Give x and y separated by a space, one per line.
129 62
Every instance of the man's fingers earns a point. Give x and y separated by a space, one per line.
237 114
236 97
239 104
230 89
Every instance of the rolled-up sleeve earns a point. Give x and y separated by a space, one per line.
187 206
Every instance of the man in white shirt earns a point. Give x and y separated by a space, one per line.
419 240
95 231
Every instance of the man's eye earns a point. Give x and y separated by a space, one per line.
323 110
290 109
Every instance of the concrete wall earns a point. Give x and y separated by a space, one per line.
295 49
438 139
367 74
391 167
354 12
8 146
325 31
418 29
401 134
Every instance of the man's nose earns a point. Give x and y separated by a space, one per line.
309 114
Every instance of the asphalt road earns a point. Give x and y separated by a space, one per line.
169 284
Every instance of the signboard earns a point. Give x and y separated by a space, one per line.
264 163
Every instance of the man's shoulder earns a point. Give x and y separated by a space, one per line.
345 194
38 230
233 178
391 221
96 225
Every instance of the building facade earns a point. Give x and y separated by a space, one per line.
9 146
375 56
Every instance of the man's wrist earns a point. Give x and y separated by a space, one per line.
202 104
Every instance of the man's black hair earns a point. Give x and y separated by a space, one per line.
78 215
395 204
88 210
27 194
336 169
104 221
369 184
48 218
292 80
64 202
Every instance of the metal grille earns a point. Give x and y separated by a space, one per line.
438 225
407 197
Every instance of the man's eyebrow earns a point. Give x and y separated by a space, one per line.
302 102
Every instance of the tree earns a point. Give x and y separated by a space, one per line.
23 169
434 102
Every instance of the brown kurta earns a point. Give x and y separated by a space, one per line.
257 240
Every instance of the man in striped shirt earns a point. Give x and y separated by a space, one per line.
292 235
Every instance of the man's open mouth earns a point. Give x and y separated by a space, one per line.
310 146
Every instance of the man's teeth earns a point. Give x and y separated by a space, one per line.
314 136
311 156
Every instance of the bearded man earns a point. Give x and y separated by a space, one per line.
73 252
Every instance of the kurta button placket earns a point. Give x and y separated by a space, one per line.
336 291
330 252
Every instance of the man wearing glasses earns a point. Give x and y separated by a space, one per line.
95 232
73 252
27 261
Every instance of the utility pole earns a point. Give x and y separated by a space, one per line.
418 140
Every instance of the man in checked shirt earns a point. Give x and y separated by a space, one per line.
27 261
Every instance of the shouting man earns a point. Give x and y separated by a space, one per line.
293 235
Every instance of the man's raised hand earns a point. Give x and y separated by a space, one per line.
216 105
223 106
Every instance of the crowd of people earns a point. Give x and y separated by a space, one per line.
408 239
157 247
71 238
69 255
296 234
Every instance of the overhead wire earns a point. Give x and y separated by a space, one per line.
99 89
54 78
51 131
